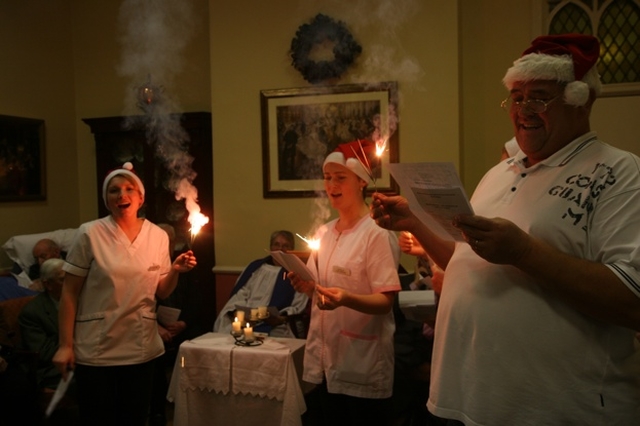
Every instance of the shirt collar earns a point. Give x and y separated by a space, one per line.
560 157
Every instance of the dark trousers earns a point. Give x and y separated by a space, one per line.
332 409
114 395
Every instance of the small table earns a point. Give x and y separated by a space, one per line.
215 381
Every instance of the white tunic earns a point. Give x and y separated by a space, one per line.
116 320
353 350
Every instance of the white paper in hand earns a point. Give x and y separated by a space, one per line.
292 263
60 391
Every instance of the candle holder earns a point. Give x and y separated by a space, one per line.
240 341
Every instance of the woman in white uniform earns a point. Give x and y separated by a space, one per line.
349 350
115 269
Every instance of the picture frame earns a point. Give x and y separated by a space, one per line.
22 159
301 126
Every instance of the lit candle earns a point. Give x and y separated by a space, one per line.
262 311
248 333
236 326
254 313
240 315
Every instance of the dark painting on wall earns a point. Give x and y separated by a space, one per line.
22 159
301 126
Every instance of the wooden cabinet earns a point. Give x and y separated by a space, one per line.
117 143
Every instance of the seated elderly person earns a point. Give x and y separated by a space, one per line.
264 283
43 250
39 322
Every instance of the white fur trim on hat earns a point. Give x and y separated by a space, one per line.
351 163
126 170
537 66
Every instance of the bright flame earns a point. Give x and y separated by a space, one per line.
313 243
381 147
197 221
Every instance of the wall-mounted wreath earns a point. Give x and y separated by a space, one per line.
322 29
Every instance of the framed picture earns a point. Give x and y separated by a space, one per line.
300 127
22 159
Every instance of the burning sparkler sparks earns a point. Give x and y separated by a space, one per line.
381 146
197 221
312 243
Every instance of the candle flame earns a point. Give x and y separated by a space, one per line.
312 243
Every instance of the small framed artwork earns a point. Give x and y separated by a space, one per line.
22 159
301 126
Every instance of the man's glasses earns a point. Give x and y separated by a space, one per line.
536 106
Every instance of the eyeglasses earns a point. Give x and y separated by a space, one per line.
536 106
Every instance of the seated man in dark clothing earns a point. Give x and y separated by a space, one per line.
39 322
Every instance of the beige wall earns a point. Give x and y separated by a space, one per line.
60 59
249 52
36 81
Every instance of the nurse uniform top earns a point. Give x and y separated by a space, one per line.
116 320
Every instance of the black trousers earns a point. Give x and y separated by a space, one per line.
114 395
330 409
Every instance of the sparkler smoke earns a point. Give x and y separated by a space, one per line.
383 59
155 32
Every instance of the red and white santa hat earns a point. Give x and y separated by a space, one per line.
352 156
566 58
126 170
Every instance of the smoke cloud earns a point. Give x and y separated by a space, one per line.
154 36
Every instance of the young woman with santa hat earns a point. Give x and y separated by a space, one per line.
349 350
115 268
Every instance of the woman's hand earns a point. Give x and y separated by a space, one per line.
64 360
301 286
185 262
330 298
409 245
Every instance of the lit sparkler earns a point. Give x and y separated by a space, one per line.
197 221
313 243
381 146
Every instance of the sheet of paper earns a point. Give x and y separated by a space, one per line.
435 194
59 393
292 263
167 315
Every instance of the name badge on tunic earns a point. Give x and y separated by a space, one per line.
342 271
153 267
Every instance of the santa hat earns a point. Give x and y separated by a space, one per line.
126 170
355 156
566 58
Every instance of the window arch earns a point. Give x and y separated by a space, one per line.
616 23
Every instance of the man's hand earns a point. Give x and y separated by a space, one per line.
496 240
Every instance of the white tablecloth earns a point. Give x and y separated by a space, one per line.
216 382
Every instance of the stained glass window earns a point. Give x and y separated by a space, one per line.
617 26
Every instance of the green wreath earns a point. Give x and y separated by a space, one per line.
321 29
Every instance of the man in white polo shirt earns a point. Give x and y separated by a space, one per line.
538 312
